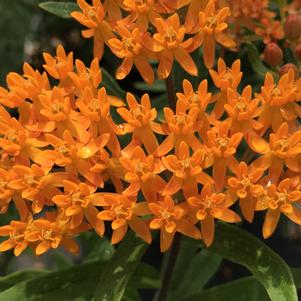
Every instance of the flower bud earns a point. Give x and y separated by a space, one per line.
285 68
272 54
298 52
292 27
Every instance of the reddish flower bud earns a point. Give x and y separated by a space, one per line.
285 68
298 52
292 27
272 54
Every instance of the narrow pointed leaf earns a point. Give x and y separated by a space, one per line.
60 9
270 270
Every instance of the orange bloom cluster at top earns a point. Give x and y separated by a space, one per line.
144 31
178 175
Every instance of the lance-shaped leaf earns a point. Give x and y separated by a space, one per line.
60 9
118 271
270 270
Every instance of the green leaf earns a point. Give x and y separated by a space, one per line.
245 289
111 85
198 271
73 284
118 271
60 9
270 270
14 278
255 61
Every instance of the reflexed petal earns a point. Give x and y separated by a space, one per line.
270 222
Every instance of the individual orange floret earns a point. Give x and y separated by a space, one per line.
97 109
74 155
269 28
242 110
57 109
16 232
169 43
209 205
186 171
245 187
197 99
224 78
221 148
141 13
210 30
140 119
283 198
19 145
77 204
23 87
170 218
278 101
6 193
142 172
192 15
130 48
93 17
51 233
36 184
179 126
86 76
58 66
124 212
283 148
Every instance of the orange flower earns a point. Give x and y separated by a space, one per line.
210 205
16 232
92 16
197 99
222 148
281 199
169 218
242 110
283 148
77 203
179 127
269 28
141 172
50 234
97 110
141 13
6 193
123 211
22 87
224 79
18 145
187 171
58 66
74 155
132 51
169 43
140 119
279 102
36 184
245 186
85 77
192 15
210 30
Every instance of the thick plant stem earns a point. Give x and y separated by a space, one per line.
169 269
171 94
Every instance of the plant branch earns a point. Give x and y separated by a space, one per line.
169 269
171 93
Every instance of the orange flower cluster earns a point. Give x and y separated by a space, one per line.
178 175
143 31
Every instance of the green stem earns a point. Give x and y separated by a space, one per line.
171 94
169 269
